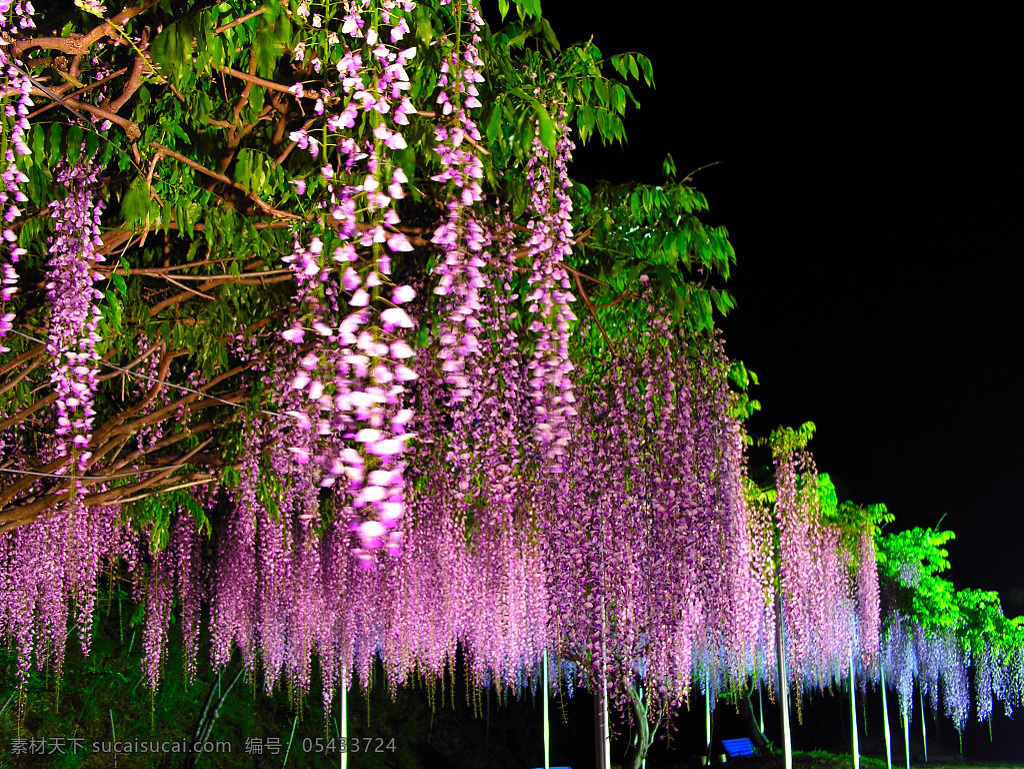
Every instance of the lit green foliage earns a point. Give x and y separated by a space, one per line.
744 405
787 439
851 519
913 560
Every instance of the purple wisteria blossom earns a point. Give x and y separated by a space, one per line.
550 298
460 235
11 196
72 297
355 379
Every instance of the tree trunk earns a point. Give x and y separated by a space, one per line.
754 731
637 759
209 718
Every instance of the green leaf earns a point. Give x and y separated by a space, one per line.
119 283
546 125
135 207
55 145
547 128
548 34
527 131
92 143
424 28
38 140
493 128
646 68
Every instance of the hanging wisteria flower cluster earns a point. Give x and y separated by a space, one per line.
74 316
355 376
819 603
511 590
46 568
941 662
460 234
867 599
656 468
11 195
549 243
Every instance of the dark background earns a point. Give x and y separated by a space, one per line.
870 181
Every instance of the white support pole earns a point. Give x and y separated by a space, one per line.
853 715
885 720
606 732
643 763
343 725
787 741
760 706
906 732
707 717
547 723
604 737
924 729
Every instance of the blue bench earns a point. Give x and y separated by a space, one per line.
739 747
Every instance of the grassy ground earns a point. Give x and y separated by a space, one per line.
822 760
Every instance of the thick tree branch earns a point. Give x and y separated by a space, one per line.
76 43
268 84
112 495
239 20
134 81
79 92
132 130
197 479
25 413
19 360
21 375
163 443
100 435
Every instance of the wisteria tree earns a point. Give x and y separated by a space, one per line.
311 282
307 332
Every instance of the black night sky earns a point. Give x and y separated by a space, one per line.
870 180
